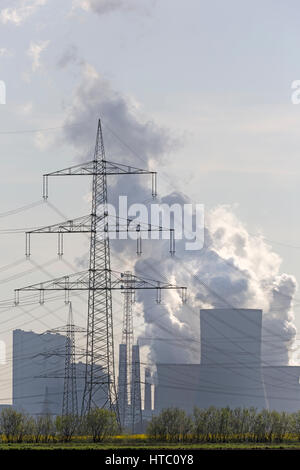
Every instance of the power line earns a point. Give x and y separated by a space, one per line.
32 131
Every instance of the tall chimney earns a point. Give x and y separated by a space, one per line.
136 402
147 391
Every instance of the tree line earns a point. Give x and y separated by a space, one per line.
224 425
16 426
170 425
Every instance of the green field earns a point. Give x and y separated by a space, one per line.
113 447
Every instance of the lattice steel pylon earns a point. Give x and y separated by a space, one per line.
125 356
70 401
127 330
100 365
100 368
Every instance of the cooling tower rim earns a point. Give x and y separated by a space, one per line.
229 309
177 364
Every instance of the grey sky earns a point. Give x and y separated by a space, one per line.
213 77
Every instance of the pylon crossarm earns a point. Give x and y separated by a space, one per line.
100 168
66 329
113 168
119 281
108 168
79 281
86 168
59 283
84 225
135 226
76 281
80 224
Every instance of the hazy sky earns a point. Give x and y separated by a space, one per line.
213 77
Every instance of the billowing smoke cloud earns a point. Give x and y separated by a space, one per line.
249 276
279 331
234 268
128 136
122 117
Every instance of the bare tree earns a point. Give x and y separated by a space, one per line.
101 424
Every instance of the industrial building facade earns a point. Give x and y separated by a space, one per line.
230 372
38 374
38 367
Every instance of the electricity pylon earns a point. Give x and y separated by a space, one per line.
127 330
125 356
70 401
129 389
100 365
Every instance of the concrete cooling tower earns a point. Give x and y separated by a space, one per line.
230 372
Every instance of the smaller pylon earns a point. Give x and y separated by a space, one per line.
70 401
125 354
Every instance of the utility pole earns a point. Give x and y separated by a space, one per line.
99 281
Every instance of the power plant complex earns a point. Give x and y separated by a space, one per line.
48 380
230 373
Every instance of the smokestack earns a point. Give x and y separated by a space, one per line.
147 391
136 402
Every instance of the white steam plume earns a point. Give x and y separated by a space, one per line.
234 268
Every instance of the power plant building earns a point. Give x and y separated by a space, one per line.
230 372
38 367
